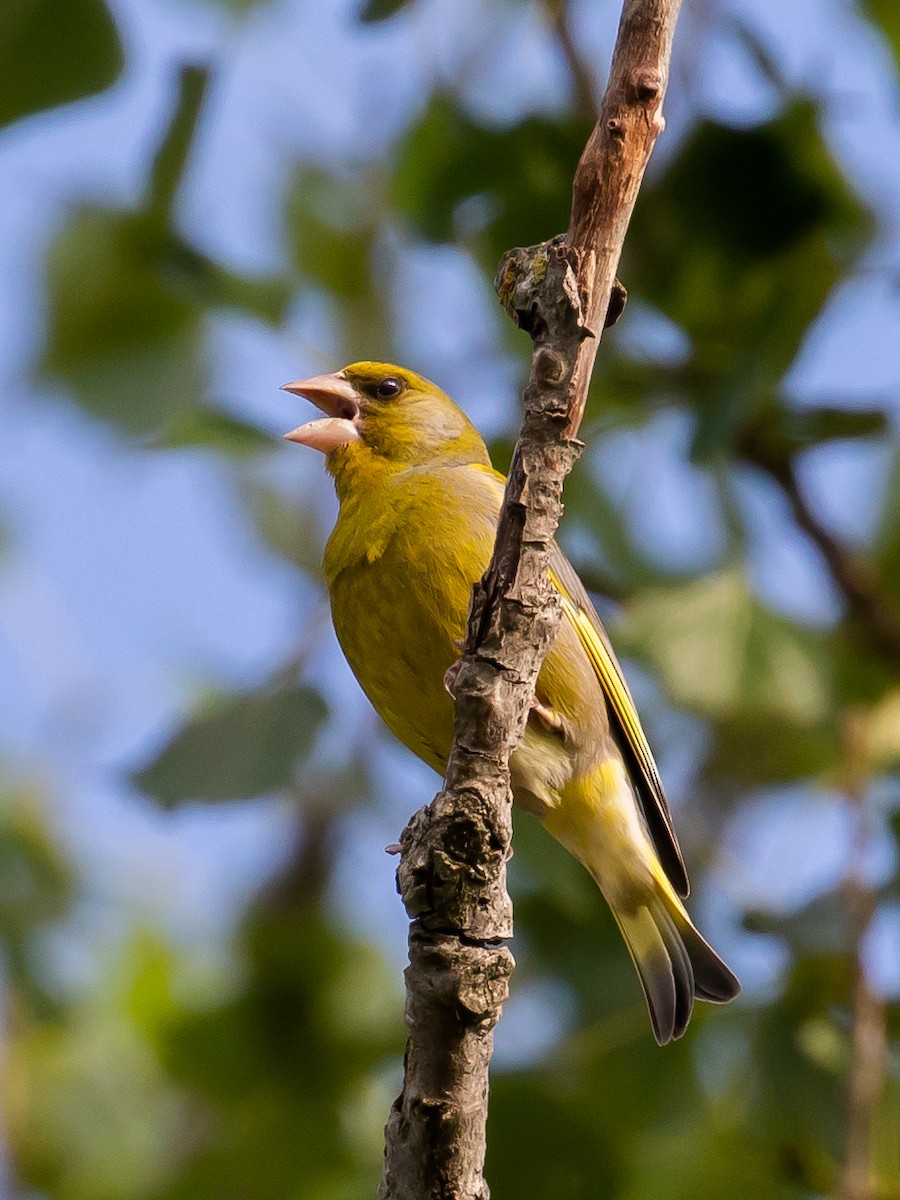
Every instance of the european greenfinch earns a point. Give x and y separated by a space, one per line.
419 503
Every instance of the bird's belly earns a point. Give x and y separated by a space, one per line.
399 653
400 620
540 768
598 821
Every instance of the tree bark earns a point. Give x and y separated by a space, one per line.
452 872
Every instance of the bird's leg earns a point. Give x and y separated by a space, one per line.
548 717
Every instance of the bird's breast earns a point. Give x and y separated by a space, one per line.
399 605
400 570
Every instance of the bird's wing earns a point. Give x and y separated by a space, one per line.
624 721
625 724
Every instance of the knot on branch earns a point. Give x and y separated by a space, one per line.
618 298
537 285
452 875
471 981
615 127
538 288
645 85
549 367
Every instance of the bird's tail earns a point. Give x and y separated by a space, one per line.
674 962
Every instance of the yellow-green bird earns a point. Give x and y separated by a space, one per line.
419 503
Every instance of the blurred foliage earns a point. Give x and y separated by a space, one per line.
886 14
245 746
200 426
129 299
721 654
493 188
887 548
332 226
53 52
292 1076
379 10
772 226
152 1077
35 891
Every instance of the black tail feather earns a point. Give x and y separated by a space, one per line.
674 964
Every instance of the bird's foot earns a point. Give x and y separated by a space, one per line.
450 676
548 717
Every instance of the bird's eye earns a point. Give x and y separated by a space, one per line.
388 388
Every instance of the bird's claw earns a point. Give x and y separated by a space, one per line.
450 678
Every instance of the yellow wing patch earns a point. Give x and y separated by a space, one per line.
624 715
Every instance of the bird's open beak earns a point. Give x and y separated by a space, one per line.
337 397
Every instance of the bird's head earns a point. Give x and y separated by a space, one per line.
378 411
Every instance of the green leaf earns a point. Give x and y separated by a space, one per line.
545 1141
753 749
820 927
811 426
330 230
687 1157
800 1104
245 746
214 430
127 300
721 653
886 14
53 52
35 884
240 5
778 431
172 154
125 326
121 332
332 227
264 297
37 887
287 525
373 11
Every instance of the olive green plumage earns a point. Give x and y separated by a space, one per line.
419 502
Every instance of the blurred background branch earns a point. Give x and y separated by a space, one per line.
868 1040
584 89
853 574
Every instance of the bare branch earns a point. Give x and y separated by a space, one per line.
452 873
